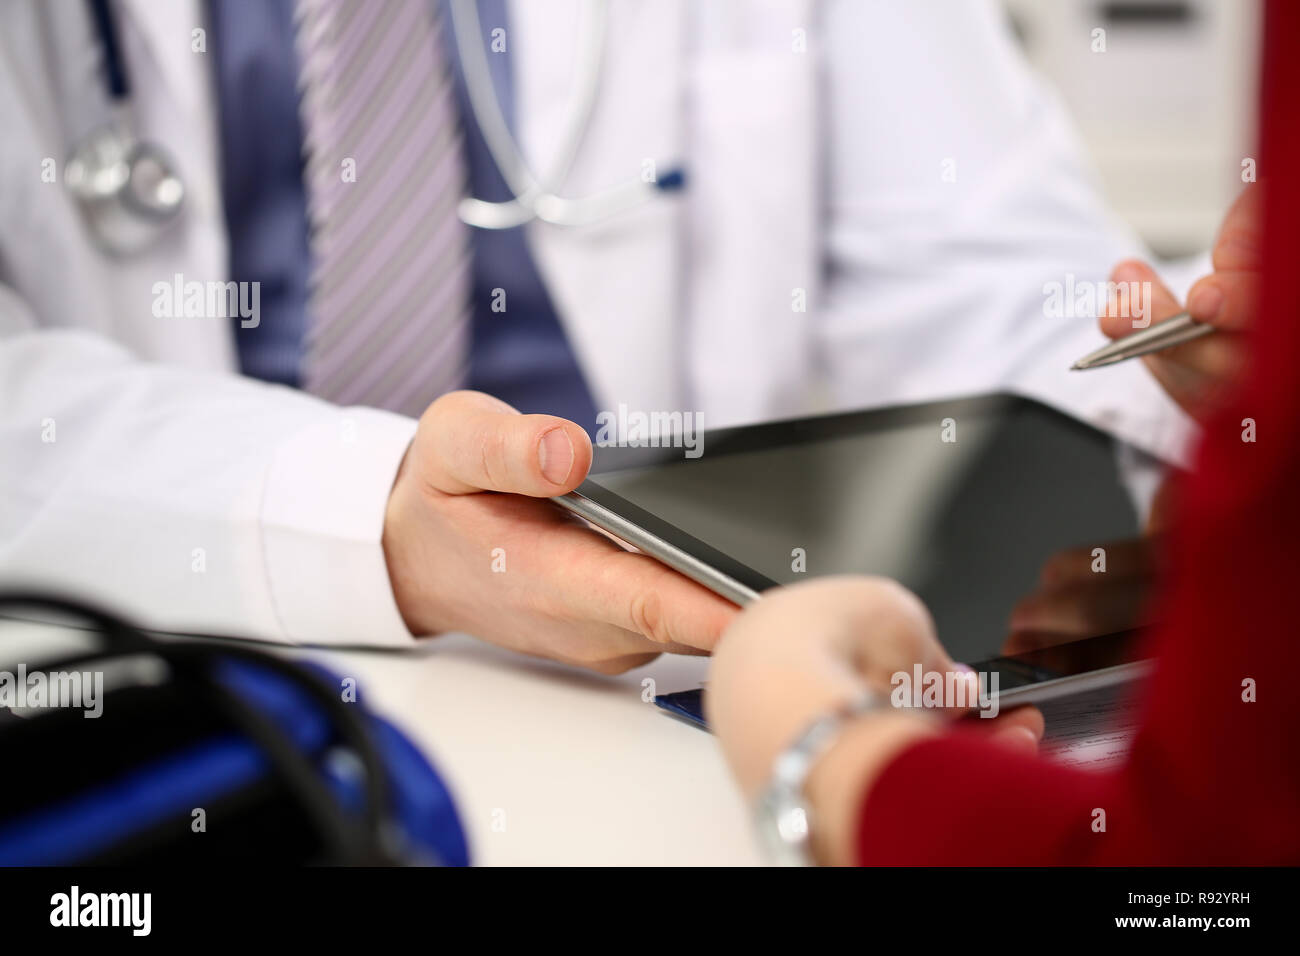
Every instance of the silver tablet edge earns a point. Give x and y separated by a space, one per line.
737 593
657 547
1074 684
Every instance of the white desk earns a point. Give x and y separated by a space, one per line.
548 766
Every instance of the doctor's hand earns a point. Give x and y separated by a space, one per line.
472 545
1196 374
799 653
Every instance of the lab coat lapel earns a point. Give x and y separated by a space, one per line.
616 284
168 33
699 302
175 104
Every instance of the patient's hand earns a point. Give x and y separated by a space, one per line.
801 651
1196 374
473 545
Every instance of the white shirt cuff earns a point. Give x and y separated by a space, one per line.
322 528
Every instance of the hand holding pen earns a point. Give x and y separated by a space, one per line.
1192 366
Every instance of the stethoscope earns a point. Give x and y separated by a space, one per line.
535 199
127 190
372 836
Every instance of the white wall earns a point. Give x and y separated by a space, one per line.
1167 110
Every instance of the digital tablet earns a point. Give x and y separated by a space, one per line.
962 501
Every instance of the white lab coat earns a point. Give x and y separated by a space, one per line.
137 470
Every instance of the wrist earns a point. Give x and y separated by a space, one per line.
806 809
400 540
754 738
838 782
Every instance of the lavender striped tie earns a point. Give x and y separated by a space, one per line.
390 282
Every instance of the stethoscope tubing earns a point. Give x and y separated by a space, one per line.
534 199
366 841
115 73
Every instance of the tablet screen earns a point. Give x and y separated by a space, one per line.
962 501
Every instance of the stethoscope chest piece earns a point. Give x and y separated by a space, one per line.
127 190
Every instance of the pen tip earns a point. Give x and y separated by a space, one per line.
1077 367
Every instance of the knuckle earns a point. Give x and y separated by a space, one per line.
903 604
1025 611
1061 565
492 457
1237 237
1089 616
647 615
1236 248
440 406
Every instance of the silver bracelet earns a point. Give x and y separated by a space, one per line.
781 813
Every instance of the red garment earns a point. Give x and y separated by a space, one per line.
1211 779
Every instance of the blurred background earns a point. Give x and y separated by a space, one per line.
1167 110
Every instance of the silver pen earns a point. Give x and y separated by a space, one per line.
1163 335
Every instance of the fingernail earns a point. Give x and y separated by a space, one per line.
1129 272
963 668
1205 303
1021 738
555 455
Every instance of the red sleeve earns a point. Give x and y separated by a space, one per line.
1212 777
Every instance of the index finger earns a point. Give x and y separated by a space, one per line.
1236 247
1152 302
635 592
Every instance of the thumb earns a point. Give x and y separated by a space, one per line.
1020 729
1236 247
1142 309
471 442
